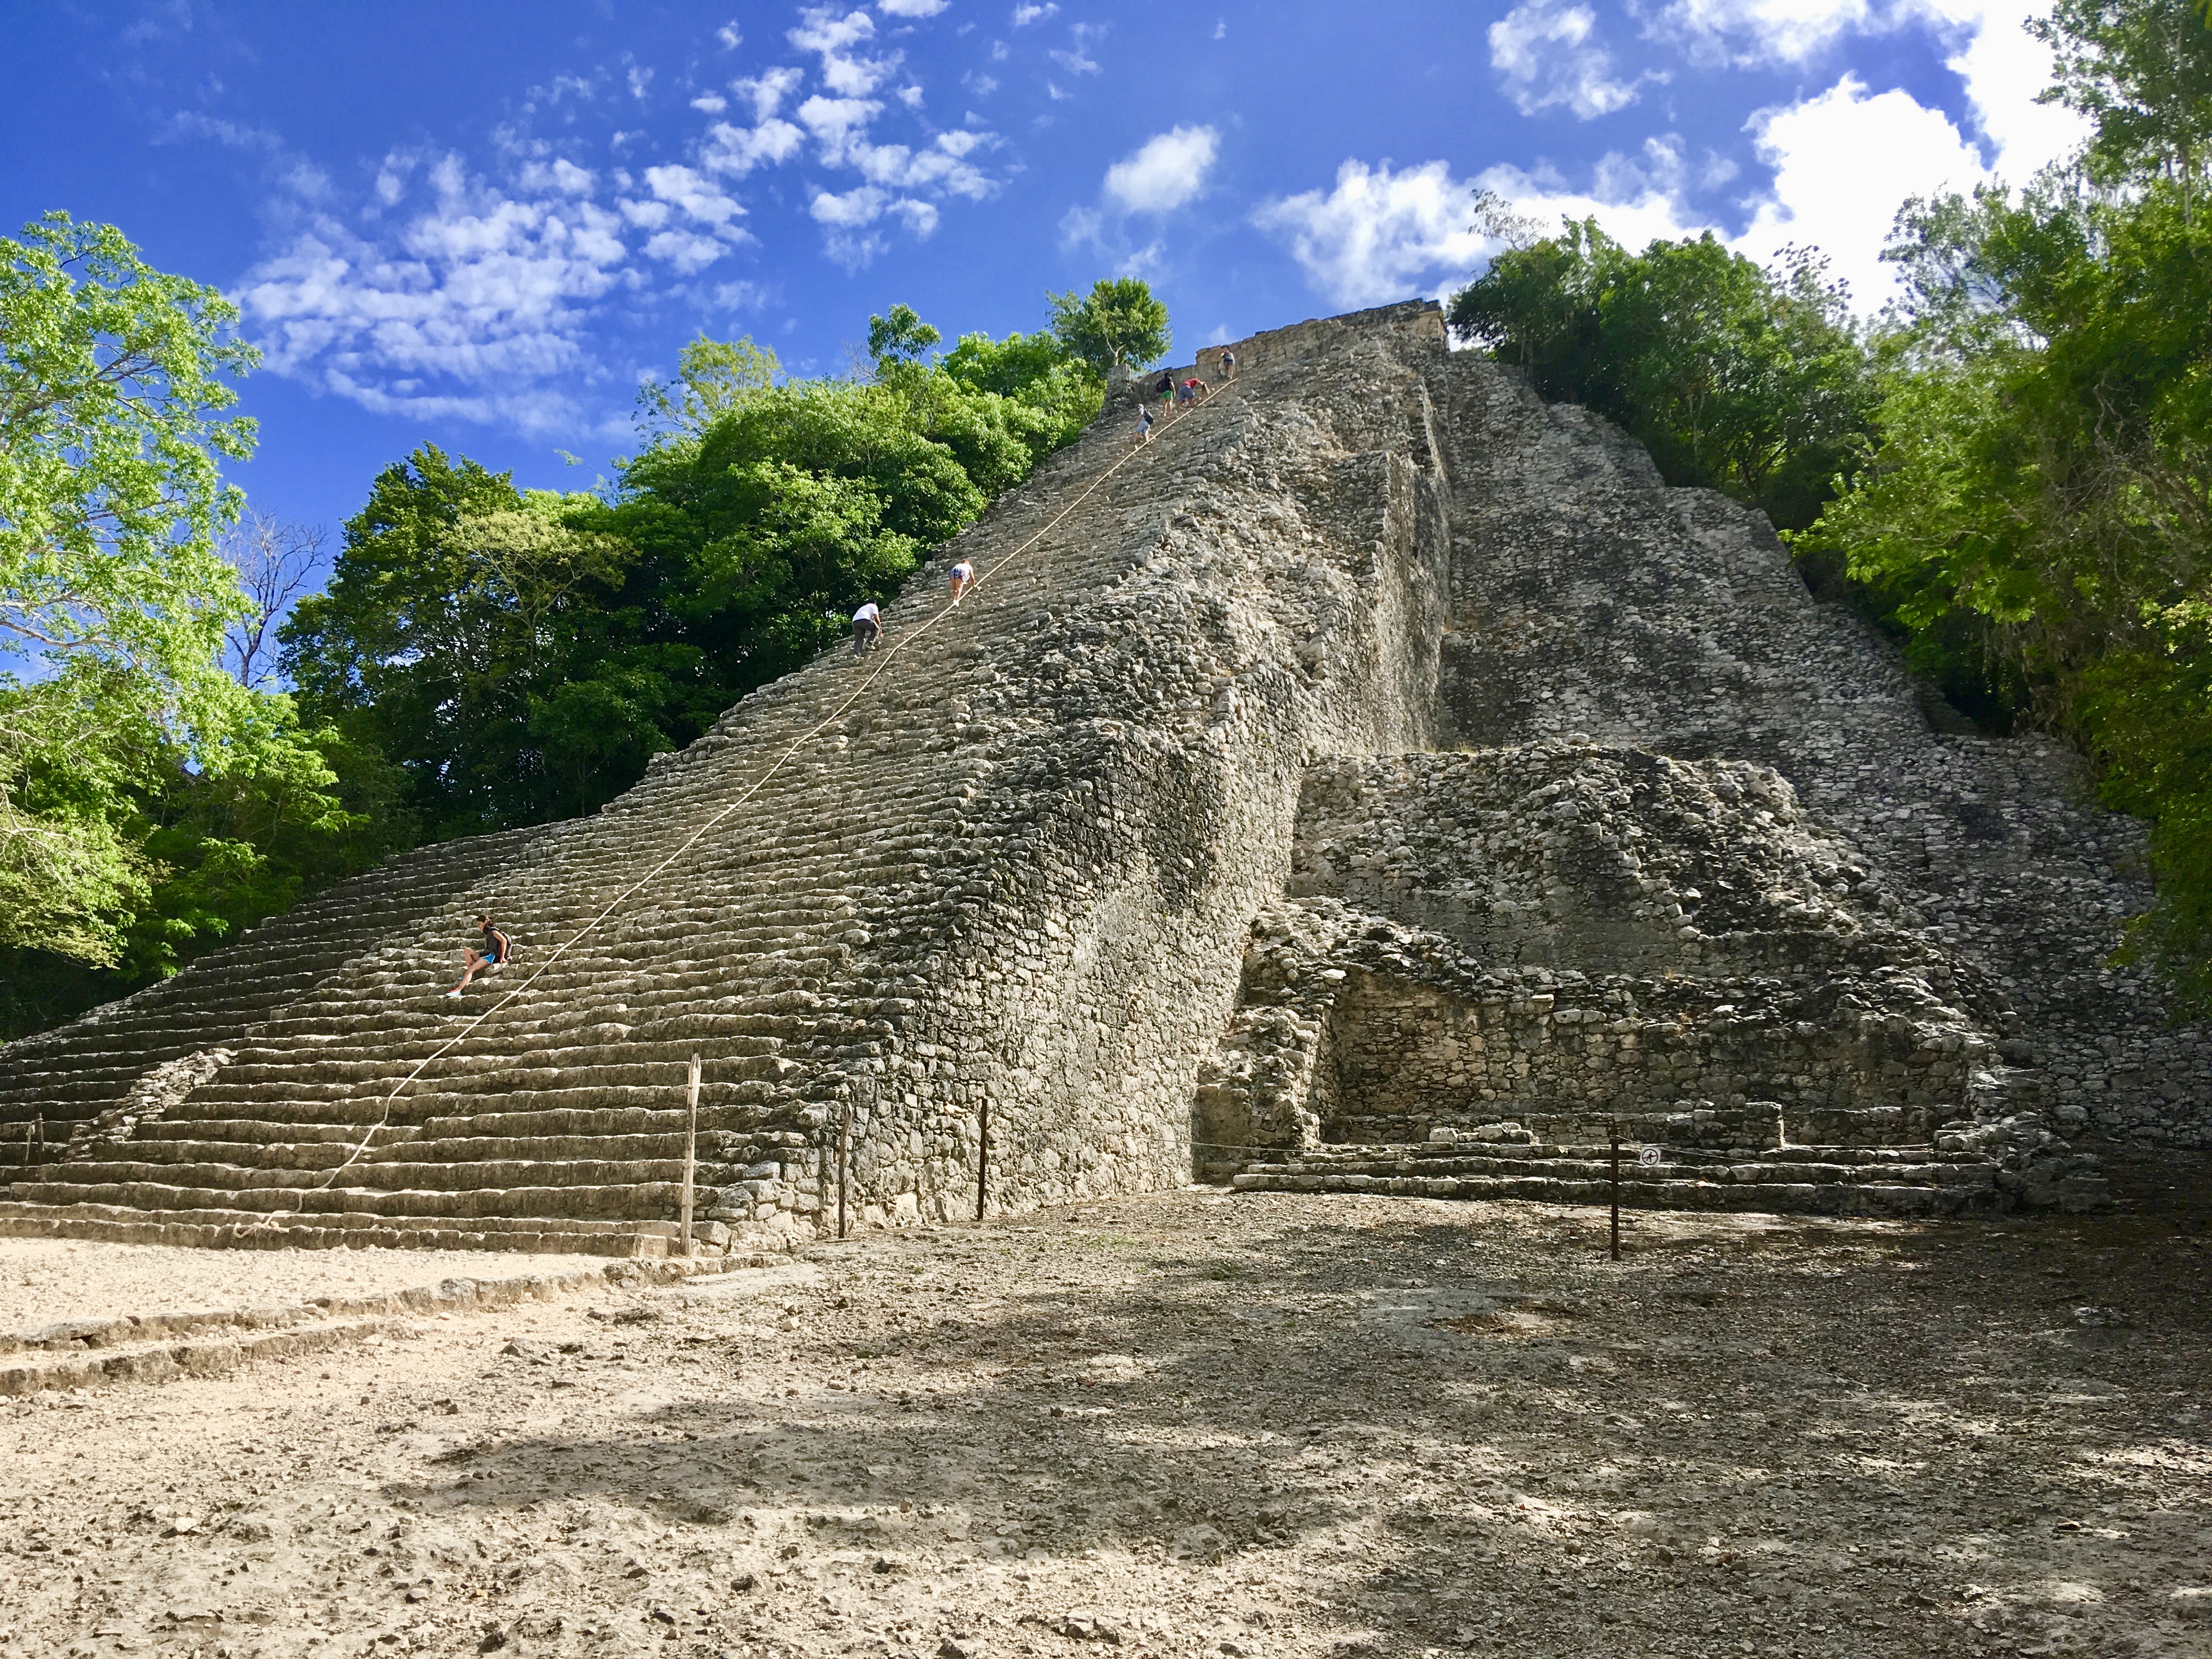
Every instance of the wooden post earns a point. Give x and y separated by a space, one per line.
1616 1191
982 1153
690 1150
844 1151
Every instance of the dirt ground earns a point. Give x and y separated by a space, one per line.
1191 1424
45 1280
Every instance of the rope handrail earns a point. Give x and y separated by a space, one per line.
885 658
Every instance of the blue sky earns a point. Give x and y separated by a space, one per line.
480 226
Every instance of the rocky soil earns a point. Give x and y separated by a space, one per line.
1189 1424
43 1279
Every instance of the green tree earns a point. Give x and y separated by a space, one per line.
465 624
900 338
1118 324
2141 71
713 377
1737 378
2036 514
1036 371
114 597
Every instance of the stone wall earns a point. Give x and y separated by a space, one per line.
1566 934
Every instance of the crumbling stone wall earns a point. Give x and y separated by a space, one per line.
1674 621
1508 934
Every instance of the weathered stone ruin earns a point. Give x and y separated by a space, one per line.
1380 780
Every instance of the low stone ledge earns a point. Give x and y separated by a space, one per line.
77 1353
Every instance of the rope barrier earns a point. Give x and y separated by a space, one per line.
887 656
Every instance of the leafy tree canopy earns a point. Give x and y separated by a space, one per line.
1118 324
1736 378
713 377
114 598
2141 71
900 338
520 656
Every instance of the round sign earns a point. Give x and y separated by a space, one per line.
1651 1154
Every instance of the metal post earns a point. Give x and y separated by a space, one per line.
690 1150
982 1153
1616 1191
844 1151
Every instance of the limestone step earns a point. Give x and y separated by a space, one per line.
1842 1165
640 1200
1799 1197
220 1228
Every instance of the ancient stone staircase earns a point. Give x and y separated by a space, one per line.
69 1076
546 1110
1900 1180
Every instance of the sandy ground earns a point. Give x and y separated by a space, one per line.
44 1280
1187 1425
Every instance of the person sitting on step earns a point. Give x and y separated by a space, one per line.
867 628
493 956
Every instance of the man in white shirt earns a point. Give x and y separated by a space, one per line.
867 628
963 573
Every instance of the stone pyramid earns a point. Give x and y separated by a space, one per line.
1378 780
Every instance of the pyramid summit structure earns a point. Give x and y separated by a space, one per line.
1379 781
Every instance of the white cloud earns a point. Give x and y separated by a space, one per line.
639 79
562 176
839 124
1633 198
1544 52
681 187
979 83
1164 172
474 308
2004 67
737 150
767 90
190 124
1029 12
1843 162
911 8
729 36
1378 234
1746 32
1075 62
686 250
845 219
710 103
832 38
